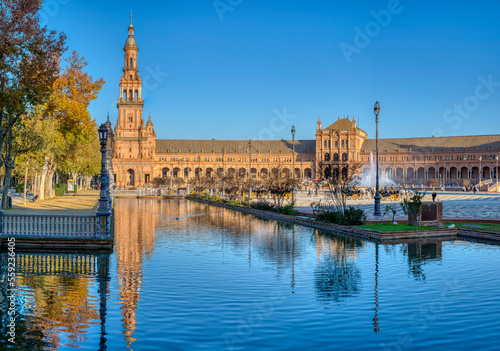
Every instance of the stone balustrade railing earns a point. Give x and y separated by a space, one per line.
69 226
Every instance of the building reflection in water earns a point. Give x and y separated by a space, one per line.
135 236
418 254
54 298
336 277
138 220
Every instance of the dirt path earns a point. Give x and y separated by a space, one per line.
85 203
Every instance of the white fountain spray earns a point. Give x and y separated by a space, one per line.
369 178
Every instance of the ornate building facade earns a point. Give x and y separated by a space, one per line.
138 156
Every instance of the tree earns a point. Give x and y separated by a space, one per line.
434 182
340 185
23 137
29 62
280 185
71 137
412 204
159 182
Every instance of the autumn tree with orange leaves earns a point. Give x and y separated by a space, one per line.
29 65
71 143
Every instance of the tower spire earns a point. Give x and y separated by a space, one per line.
131 17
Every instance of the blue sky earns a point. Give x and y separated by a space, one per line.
233 69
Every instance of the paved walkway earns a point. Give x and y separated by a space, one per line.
84 203
458 205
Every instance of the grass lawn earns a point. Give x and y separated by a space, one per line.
389 227
489 227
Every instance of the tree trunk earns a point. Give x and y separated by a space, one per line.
35 189
25 183
9 166
50 180
43 179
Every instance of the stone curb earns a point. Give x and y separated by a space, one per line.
358 232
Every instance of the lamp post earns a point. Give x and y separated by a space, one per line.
103 212
445 176
480 171
376 110
250 169
496 172
187 170
199 174
171 178
293 163
223 173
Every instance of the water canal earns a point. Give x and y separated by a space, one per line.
228 281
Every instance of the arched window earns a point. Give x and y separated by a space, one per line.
336 157
327 157
131 62
125 95
136 95
130 95
344 157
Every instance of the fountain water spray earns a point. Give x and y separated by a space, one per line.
368 178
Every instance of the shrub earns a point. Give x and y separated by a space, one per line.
19 187
354 216
60 189
351 216
262 205
288 210
330 217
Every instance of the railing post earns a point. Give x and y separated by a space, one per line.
1 221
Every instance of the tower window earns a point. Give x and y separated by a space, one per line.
131 62
130 77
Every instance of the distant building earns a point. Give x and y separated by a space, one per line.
138 157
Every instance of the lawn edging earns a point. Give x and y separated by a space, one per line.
344 229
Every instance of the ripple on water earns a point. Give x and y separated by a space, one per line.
227 281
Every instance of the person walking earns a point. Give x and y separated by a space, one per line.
434 195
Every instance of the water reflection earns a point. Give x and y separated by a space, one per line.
336 277
187 282
54 298
135 222
418 253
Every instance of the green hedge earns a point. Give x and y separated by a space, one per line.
19 187
60 189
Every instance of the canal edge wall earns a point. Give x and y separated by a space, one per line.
337 228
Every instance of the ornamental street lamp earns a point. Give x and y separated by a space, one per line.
250 169
199 174
187 173
171 178
293 163
223 173
103 212
376 110
496 172
480 171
